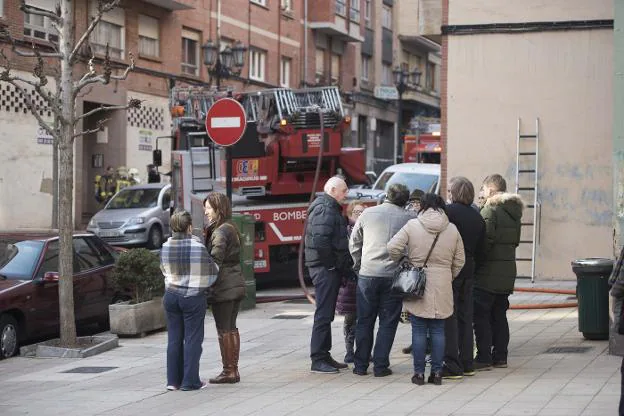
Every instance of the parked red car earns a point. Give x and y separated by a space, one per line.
29 303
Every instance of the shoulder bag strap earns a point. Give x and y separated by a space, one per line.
431 249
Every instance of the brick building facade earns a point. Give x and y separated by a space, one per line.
286 47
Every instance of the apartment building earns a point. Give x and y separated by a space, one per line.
546 60
291 43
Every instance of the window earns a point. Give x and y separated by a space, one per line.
386 75
285 72
355 10
86 258
341 7
320 66
110 30
386 17
260 2
105 256
367 12
190 52
50 259
166 200
431 81
287 5
19 258
1 8
366 65
35 26
335 68
149 43
257 62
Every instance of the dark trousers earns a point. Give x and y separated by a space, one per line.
491 326
458 355
225 314
374 298
185 334
326 286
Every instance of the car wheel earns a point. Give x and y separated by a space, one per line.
154 238
8 336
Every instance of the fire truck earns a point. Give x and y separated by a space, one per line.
274 164
422 144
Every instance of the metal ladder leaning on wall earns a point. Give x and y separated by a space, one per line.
527 149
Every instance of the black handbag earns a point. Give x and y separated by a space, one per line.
410 281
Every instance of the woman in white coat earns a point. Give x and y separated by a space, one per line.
444 264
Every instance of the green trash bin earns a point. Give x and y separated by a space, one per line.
246 226
592 292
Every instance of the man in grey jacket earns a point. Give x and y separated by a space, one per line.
372 231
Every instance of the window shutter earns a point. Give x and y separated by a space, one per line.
148 27
116 16
190 35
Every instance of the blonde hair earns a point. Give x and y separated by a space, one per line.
180 221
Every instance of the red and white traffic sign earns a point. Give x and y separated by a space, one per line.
226 122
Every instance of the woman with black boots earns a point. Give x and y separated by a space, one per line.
223 244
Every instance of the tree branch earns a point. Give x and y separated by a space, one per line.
39 12
103 7
6 76
133 103
91 76
99 127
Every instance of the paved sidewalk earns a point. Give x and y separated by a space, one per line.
275 377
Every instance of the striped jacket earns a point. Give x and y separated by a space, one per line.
188 268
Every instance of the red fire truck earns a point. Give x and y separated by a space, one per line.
422 144
274 163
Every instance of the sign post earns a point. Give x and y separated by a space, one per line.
225 124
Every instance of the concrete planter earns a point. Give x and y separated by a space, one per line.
137 319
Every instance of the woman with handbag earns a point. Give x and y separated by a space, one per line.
434 246
223 244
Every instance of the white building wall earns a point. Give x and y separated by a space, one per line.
25 162
565 79
152 120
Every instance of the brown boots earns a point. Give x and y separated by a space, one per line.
229 343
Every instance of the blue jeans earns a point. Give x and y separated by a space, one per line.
185 334
374 298
419 343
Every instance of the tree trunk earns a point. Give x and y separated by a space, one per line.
66 179
55 179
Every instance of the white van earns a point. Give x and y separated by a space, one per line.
423 176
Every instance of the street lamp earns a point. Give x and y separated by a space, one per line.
224 64
403 80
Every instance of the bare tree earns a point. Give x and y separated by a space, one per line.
67 123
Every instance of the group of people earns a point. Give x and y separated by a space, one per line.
194 268
468 252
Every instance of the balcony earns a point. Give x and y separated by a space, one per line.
330 17
425 23
169 5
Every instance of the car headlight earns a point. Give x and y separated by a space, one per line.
92 223
137 220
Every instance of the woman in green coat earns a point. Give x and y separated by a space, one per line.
223 244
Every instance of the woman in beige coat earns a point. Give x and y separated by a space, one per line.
444 264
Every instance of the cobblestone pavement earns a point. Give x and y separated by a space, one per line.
275 377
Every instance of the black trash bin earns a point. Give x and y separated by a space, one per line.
592 292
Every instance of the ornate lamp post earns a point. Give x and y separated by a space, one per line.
404 80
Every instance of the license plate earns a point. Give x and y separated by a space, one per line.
110 233
260 264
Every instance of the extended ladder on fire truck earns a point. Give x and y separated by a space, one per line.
298 107
527 174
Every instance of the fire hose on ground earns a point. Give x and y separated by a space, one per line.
307 295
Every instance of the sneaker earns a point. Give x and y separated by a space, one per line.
418 379
435 378
449 375
500 364
172 388
359 372
469 372
203 385
335 363
383 373
479 366
321 367
348 359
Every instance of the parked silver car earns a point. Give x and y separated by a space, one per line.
135 215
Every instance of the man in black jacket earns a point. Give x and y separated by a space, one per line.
328 260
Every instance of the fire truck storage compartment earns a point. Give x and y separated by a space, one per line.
249 145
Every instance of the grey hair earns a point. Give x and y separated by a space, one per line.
333 182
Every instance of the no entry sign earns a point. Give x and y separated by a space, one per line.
226 122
